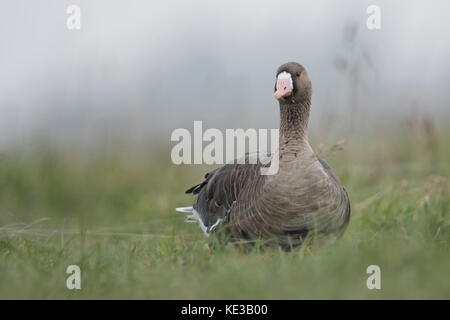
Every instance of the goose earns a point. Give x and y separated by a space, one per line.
304 196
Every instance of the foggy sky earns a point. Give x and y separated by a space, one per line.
148 67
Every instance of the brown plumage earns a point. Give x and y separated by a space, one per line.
304 195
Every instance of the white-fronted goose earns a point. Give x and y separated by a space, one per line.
304 195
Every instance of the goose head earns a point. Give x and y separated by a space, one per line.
293 84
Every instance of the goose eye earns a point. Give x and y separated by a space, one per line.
297 74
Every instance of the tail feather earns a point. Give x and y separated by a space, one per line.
191 218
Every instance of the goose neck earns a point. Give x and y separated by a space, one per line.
294 127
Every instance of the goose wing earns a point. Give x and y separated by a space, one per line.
220 190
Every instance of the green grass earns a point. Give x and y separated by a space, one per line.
112 213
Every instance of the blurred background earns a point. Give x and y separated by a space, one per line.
86 119
137 71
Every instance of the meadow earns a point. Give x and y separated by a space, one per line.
111 212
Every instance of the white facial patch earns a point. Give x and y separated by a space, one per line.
285 76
